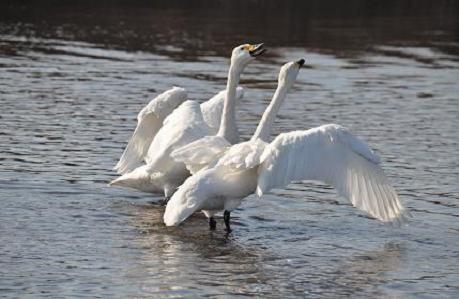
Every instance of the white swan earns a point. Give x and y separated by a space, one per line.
187 123
150 119
327 153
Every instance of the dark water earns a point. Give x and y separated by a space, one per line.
73 77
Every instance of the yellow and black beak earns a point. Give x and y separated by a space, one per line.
256 50
300 62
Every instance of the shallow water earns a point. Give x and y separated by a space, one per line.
72 84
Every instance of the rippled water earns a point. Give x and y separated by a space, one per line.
69 103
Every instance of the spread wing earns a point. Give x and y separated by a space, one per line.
149 121
331 154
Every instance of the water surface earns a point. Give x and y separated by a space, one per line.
72 83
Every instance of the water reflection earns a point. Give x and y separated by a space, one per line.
226 265
219 262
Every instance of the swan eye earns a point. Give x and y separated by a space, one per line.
242 48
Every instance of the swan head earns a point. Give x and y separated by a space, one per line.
242 55
289 72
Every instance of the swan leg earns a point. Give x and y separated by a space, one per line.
226 218
163 202
212 223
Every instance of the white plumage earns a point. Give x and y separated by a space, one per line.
184 125
189 122
149 121
213 108
329 153
201 153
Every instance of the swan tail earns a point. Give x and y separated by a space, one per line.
188 198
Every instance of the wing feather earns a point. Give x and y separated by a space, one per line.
149 121
183 126
244 155
212 109
331 154
137 146
201 153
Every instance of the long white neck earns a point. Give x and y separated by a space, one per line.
228 128
263 130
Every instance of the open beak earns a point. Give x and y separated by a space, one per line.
256 50
300 62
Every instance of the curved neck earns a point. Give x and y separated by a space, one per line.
263 130
228 128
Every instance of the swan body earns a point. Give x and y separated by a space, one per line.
211 190
329 153
189 122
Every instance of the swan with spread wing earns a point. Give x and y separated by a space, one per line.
187 123
329 153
